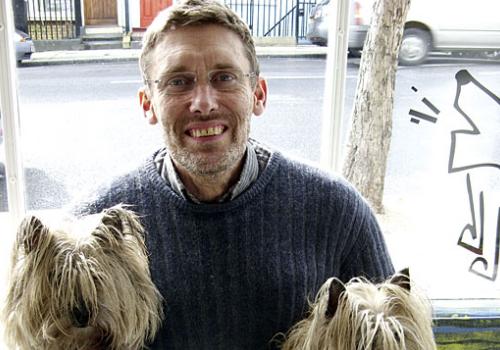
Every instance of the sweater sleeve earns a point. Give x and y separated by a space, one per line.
369 256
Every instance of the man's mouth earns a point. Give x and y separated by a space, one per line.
212 131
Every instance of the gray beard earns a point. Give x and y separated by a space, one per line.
198 166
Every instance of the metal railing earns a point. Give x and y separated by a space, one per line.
275 18
53 19
61 19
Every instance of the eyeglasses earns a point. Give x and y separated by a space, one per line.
224 80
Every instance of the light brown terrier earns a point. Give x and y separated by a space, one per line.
84 286
365 316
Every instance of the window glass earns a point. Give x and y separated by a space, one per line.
293 115
441 209
442 184
81 124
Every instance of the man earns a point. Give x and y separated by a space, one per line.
239 236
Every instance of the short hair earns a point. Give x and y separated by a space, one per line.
196 12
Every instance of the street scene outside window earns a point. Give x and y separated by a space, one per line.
81 125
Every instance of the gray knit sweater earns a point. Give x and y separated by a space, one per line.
235 274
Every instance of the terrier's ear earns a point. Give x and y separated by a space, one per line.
402 279
112 218
334 292
122 221
31 232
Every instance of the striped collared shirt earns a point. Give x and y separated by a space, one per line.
256 158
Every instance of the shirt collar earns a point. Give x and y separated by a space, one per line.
248 175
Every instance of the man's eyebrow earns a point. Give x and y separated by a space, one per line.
225 66
174 69
182 68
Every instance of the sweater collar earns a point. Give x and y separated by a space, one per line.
256 158
164 191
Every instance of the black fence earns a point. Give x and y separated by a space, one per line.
61 19
274 18
53 19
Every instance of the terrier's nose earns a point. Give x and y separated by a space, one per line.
81 316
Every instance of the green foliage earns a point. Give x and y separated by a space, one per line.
467 334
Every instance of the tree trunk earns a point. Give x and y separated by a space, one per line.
371 130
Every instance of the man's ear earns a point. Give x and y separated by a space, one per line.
260 96
147 106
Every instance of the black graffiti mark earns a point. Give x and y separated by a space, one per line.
472 228
484 262
421 115
463 77
431 106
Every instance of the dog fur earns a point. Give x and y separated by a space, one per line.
84 286
365 316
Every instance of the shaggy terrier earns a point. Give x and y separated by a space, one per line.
83 286
365 316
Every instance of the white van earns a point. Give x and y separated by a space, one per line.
431 25
450 25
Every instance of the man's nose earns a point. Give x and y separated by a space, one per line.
204 99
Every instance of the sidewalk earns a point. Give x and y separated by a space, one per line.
123 55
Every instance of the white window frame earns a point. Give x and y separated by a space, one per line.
9 108
335 81
331 152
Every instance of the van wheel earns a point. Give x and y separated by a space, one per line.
414 47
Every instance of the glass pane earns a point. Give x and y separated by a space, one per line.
443 175
442 213
292 119
81 124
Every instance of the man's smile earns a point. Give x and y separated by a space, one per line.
206 132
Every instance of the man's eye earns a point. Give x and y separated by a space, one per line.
224 77
178 81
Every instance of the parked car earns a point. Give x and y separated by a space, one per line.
431 26
24 46
360 13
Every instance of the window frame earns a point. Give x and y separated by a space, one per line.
10 108
453 316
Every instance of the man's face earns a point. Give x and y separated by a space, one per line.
205 128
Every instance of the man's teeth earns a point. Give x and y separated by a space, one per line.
217 130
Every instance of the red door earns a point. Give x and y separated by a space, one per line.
150 8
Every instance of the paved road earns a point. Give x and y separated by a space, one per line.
81 123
